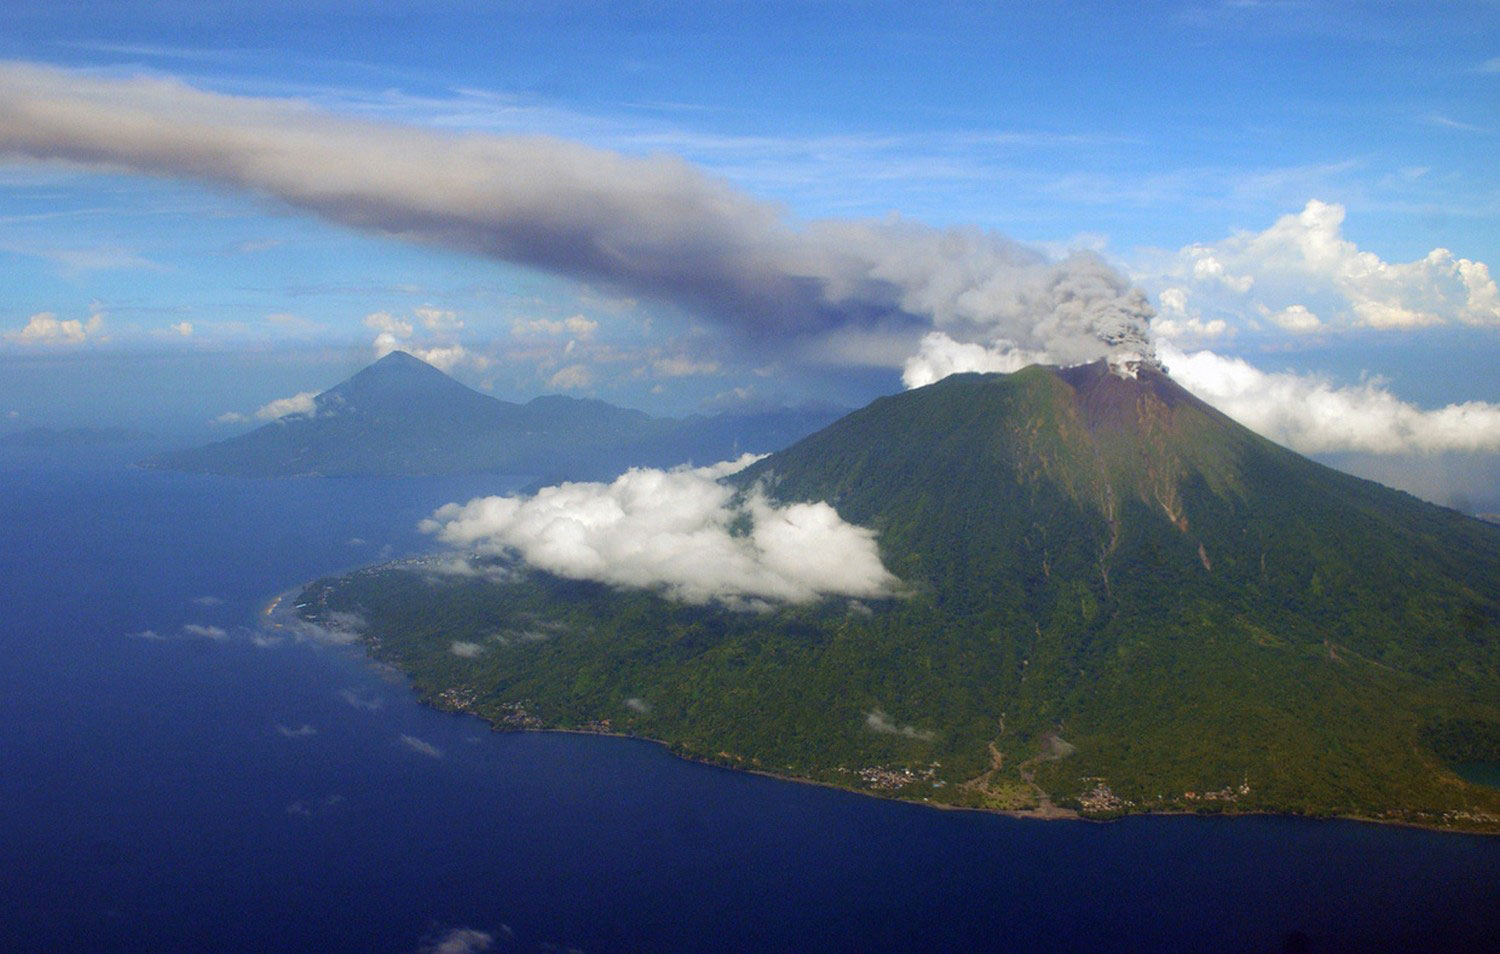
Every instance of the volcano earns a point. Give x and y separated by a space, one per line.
401 416
1115 599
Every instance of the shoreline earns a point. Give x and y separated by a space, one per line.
1055 815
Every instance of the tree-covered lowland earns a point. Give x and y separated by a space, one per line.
1115 600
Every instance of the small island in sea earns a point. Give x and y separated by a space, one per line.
1112 599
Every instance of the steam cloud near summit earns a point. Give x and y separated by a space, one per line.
654 226
677 530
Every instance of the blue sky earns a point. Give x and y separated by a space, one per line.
1281 171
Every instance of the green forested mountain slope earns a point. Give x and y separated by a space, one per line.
1118 599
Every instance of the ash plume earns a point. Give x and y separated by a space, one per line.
655 226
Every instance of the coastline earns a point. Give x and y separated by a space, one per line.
280 613
1056 814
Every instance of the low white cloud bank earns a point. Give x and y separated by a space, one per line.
1310 414
362 699
461 941
421 746
336 629
682 531
1301 275
653 226
877 721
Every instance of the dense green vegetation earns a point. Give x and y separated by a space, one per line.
401 416
1119 601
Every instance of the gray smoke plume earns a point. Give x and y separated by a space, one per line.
655 226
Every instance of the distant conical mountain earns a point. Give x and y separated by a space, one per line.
1118 600
402 416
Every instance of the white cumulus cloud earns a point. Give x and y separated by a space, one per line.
45 328
1176 321
303 403
448 357
394 333
1310 414
940 356
437 320
574 377
1302 273
682 531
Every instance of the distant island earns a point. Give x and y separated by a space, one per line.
1113 600
401 416
49 437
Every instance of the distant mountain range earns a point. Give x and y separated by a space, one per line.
402 416
1116 600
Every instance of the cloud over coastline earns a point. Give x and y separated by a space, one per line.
681 531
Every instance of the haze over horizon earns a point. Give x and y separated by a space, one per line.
210 217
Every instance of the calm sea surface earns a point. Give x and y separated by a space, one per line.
168 783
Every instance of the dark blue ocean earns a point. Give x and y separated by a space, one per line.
171 789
